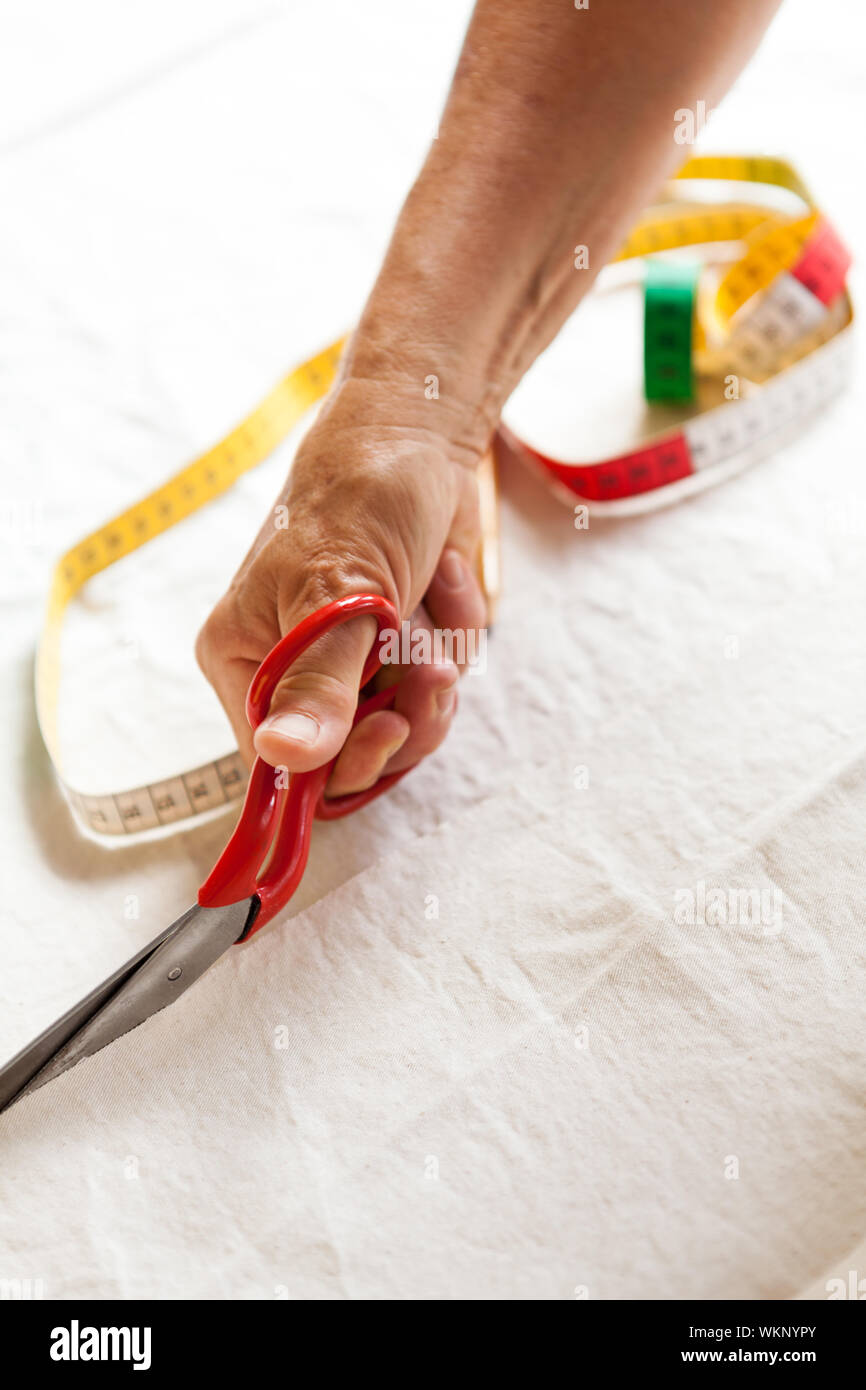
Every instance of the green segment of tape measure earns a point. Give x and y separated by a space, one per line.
669 318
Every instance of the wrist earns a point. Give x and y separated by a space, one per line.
442 328
392 377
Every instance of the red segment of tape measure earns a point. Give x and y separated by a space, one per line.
823 265
642 470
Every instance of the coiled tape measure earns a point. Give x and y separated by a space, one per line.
778 318
775 321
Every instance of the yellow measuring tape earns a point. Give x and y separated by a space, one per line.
772 243
773 324
207 477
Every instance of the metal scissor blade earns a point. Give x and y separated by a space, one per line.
150 981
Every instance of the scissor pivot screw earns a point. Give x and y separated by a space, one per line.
175 973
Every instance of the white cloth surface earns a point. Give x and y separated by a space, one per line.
482 1056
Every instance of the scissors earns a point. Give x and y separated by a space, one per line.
253 879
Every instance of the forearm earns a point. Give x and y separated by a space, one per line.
558 130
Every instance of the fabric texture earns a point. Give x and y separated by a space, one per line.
518 1035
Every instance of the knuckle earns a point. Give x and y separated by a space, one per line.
218 638
326 688
331 571
206 642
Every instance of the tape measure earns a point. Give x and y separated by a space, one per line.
202 791
199 793
778 317
670 330
774 324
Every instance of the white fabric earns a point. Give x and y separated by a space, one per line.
484 1056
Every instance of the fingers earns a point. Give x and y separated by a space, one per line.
311 711
360 521
232 687
229 662
424 705
369 747
312 708
426 695
456 605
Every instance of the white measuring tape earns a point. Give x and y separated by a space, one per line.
776 322
779 318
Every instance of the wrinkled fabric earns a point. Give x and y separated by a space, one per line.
577 1010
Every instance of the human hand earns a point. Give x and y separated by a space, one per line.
372 504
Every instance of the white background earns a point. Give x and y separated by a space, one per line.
194 197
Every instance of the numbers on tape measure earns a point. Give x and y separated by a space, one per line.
712 439
179 798
784 297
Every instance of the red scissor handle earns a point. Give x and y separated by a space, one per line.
277 818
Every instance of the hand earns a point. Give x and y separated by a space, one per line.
371 506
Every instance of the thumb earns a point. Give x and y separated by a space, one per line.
313 706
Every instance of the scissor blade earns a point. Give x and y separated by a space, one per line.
150 981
